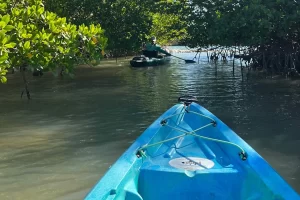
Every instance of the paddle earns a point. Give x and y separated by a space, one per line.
186 61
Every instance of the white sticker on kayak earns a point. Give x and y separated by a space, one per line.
191 163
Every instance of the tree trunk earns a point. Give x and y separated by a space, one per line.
216 69
233 59
207 55
279 62
25 83
286 64
199 56
241 61
264 63
272 65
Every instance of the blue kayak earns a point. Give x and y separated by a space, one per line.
188 153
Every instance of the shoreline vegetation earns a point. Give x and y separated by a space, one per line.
58 35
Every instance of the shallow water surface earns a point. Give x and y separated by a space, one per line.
59 144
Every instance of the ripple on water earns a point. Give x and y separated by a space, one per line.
59 144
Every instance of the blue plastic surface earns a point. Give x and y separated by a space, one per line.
153 178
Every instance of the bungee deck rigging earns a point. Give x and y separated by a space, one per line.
185 110
188 153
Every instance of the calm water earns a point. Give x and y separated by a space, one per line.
58 145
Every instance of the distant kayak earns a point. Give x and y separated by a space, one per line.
188 153
143 61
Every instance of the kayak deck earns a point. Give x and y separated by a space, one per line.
184 155
178 183
224 179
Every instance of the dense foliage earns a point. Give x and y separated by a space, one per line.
61 34
269 28
35 39
169 21
127 23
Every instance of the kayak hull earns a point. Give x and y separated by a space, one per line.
142 61
171 160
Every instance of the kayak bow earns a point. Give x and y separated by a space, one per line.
188 153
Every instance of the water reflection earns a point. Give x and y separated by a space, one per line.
59 144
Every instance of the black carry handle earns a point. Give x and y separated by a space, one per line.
187 99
